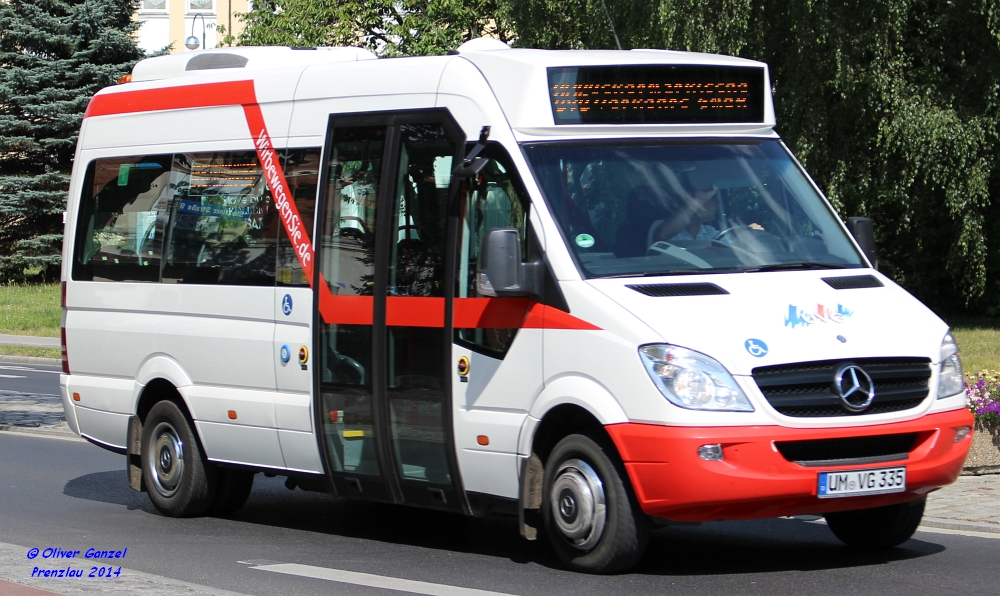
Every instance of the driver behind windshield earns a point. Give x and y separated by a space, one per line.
690 219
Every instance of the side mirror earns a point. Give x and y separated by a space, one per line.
501 272
864 232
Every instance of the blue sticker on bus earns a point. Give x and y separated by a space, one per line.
286 354
756 348
286 304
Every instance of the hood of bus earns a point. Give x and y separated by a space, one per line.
769 318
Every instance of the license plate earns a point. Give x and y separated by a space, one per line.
862 482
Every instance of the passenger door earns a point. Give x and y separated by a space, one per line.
383 306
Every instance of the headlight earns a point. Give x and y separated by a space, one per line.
950 382
692 380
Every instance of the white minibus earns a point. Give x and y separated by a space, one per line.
590 289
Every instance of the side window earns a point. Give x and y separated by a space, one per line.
123 211
301 167
223 225
496 200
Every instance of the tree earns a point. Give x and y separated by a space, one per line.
54 56
387 27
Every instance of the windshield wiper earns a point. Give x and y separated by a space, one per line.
658 273
798 265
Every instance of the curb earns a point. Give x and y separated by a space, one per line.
951 524
31 360
61 433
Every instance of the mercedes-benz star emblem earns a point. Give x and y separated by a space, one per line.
854 388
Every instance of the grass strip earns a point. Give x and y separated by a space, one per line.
30 310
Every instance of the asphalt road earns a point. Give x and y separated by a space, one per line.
30 378
73 495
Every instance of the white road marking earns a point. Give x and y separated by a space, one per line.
971 533
375 581
13 377
29 369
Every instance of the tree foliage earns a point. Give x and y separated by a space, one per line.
387 27
54 55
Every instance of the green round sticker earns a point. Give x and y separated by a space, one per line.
584 240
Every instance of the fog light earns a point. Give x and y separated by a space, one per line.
961 433
710 452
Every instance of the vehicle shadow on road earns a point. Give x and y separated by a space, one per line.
712 549
108 487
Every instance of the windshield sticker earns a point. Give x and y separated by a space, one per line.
823 314
584 240
755 347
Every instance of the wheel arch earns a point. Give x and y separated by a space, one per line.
567 406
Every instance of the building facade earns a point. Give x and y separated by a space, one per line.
171 22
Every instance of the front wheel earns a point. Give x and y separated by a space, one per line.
590 515
879 527
179 481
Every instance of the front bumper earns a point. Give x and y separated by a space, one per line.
754 480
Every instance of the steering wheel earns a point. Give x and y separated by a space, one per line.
718 237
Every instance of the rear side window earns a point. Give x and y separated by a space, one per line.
122 218
202 218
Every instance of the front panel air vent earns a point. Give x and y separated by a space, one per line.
848 451
853 282
672 290
215 61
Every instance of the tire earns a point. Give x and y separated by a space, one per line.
179 481
877 528
582 471
232 491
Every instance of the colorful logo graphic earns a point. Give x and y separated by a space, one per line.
823 314
755 347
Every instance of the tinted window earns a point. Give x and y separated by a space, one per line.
213 211
123 211
496 200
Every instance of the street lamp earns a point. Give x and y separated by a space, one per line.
191 42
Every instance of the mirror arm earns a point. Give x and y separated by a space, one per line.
473 164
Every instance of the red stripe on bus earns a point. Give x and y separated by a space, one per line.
470 313
207 95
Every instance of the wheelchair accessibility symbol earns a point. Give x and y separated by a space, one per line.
756 348
286 304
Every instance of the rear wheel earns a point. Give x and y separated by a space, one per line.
179 481
590 515
879 527
232 491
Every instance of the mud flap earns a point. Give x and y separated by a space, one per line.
133 454
529 510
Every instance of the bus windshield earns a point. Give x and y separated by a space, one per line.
630 209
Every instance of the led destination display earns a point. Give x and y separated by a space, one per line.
656 94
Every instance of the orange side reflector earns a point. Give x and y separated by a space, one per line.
232 414
76 397
483 440
125 79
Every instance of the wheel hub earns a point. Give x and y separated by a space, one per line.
166 459
578 498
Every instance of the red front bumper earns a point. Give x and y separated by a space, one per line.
755 480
